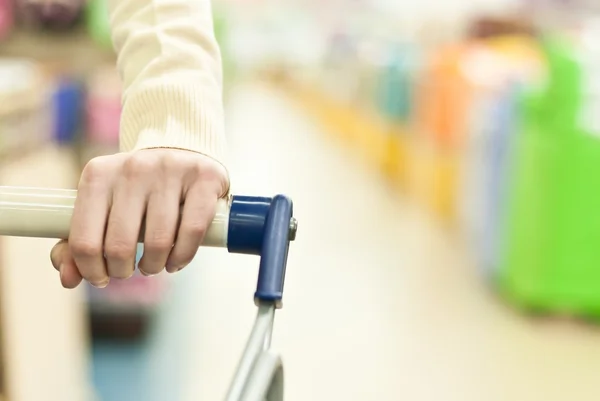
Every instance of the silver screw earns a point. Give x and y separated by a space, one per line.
293 228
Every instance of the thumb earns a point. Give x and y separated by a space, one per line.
58 253
63 262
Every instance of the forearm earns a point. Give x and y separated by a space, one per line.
170 64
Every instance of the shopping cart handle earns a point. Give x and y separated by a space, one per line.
243 224
265 227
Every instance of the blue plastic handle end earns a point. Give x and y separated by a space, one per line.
247 217
261 226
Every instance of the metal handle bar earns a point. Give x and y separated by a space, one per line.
243 224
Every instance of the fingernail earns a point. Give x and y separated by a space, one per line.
145 274
101 284
173 269
53 261
60 271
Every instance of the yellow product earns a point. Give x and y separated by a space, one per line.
444 176
396 161
518 48
421 169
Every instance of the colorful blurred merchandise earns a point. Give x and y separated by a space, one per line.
103 108
125 308
367 70
338 77
457 90
526 66
98 22
492 27
443 97
54 14
448 84
393 99
222 31
551 258
492 69
69 97
6 18
25 106
138 294
504 125
395 84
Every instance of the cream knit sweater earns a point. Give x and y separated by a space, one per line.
170 65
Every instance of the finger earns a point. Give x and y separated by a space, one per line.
58 252
69 274
162 217
123 229
198 212
88 225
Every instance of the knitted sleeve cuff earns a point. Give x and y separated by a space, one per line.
173 115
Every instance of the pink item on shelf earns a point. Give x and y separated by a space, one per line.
6 18
104 108
137 291
103 120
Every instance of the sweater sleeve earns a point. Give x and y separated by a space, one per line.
170 65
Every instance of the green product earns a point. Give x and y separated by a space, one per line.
551 258
221 29
98 22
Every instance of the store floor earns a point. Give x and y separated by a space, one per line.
380 304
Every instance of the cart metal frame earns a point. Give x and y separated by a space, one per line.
250 225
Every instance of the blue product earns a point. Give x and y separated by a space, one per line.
474 163
68 109
504 127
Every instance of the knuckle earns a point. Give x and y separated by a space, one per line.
198 168
194 172
194 229
94 170
170 160
119 250
139 164
84 248
159 240
159 244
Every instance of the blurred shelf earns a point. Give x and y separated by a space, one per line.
21 151
73 50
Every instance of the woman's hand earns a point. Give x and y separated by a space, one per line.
117 193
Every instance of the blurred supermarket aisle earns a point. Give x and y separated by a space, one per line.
487 123
380 304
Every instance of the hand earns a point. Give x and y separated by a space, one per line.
117 193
